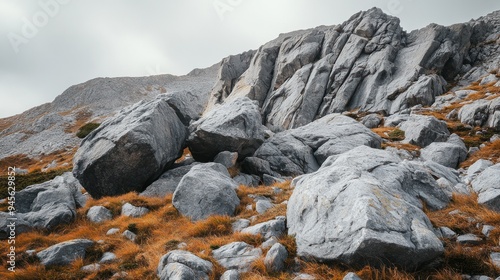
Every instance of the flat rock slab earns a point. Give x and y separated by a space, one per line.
237 255
64 253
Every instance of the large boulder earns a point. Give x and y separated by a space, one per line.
450 153
420 130
128 152
183 265
304 149
235 126
188 105
168 182
64 253
207 189
364 207
487 187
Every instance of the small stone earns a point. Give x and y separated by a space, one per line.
495 138
249 207
91 267
228 159
30 252
275 258
130 210
112 231
470 239
230 275
262 206
472 150
240 224
351 276
108 257
119 275
182 246
129 235
495 259
487 229
447 232
303 276
269 242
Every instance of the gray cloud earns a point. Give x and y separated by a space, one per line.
82 40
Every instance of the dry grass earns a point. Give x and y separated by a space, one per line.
185 153
490 152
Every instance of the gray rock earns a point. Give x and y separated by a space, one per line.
10 227
108 257
302 150
351 276
495 259
487 229
230 275
47 205
99 214
362 207
129 235
235 126
494 138
257 166
268 229
269 180
168 182
206 190
421 130
112 231
481 112
275 258
240 224
247 180
479 166
371 120
179 264
188 105
487 187
472 150
269 242
262 206
91 267
148 134
129 210
469 239
447 232
65 252
237 255
228 159
303 276
450 153
490 79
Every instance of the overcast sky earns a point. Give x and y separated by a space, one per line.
48 45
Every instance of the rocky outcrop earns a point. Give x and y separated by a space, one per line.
367 63
363 207
130 151
235 126
481 112
207 189
304 149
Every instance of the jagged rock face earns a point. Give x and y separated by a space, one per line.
304 149
366 63
363 207
235 126
131 150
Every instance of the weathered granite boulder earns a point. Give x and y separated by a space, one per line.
207 189
304 149
235 126
363 207
487 187
65 252
183 265
450 153
128 152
